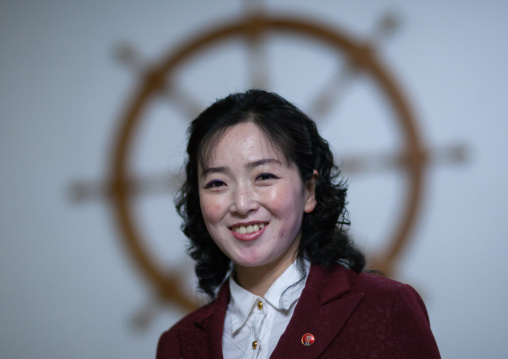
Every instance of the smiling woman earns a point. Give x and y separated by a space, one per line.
252 203
265 215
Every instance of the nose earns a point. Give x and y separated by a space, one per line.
244 201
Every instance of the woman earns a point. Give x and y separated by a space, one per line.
266 219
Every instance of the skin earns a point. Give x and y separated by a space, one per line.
248 182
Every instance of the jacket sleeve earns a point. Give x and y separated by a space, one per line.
408 332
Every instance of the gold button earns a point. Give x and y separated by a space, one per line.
260 305
254 344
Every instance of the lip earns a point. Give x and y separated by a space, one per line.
248 236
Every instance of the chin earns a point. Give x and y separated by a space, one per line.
253 261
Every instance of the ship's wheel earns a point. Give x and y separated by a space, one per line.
258 41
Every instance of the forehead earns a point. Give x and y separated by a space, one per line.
245 141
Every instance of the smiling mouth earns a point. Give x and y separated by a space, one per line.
251 228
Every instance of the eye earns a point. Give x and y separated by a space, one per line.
266 176
215 184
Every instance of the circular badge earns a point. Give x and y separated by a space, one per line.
308 339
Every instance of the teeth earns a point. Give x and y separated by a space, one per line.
249 229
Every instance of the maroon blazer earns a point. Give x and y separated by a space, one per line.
351 315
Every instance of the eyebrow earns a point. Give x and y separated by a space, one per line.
249 165
262 162
213 170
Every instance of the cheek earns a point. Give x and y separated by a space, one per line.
287 201
281 199
287 204
211 208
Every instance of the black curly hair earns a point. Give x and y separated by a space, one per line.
324 239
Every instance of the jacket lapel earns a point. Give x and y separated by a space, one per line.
206 341
323 309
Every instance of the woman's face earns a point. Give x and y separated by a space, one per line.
252 201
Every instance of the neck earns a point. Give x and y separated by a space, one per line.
258 280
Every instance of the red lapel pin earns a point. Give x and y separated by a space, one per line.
308 339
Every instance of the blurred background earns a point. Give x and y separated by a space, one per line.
71 73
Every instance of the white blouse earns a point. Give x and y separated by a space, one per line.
253 325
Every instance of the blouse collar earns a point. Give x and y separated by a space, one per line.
283 293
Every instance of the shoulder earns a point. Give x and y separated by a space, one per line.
386 290
371 285
192 319
380 294
170 342
389 318
189 335
406 324
396 312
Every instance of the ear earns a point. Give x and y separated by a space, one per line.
310 200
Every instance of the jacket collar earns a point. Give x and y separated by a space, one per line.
323 309
210 321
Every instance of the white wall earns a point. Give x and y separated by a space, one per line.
68 286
